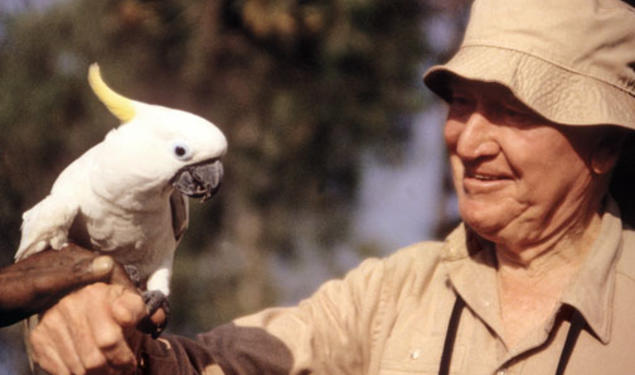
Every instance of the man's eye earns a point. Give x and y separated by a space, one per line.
513 112
459 100
460 105
517 115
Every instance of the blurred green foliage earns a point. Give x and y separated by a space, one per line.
300 88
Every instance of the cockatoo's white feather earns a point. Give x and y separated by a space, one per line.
124 196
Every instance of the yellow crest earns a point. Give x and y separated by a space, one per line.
117 104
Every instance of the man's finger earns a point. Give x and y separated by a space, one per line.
84 272
108 333
56 328
37 282
25 293
44 353
128 309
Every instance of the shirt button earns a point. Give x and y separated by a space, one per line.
415 354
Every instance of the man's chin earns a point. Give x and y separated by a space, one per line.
488 220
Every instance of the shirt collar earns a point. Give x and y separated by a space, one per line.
592 291
471 266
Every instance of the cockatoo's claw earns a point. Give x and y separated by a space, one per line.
155 300
133 274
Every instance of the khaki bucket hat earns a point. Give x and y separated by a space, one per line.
571 61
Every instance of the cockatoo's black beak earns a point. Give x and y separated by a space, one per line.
200 180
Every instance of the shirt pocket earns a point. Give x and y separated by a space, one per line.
420 355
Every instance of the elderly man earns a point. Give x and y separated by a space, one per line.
538 278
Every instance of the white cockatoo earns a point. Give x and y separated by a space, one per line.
126 196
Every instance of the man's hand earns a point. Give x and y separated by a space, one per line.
91 314
37 282
90 331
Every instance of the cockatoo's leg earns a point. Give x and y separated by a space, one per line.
133 274
159 280
157 291
154 299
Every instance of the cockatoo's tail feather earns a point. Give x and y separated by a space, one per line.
120 106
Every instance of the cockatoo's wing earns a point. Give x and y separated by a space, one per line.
180 214
46 225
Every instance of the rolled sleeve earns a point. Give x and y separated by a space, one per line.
330 332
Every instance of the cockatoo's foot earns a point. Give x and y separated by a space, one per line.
154 300
133 274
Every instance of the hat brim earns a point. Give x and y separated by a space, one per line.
558 94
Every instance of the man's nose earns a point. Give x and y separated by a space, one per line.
477 139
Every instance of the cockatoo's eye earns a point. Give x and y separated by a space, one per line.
181 150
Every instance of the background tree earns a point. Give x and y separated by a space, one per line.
300 88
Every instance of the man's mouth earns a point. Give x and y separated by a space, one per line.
489 174
484 181
200 180
484 177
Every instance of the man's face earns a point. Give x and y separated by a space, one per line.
520 179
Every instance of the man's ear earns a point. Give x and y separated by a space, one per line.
607 150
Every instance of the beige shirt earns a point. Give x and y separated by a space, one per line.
390 317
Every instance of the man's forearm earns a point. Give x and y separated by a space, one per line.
228 349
